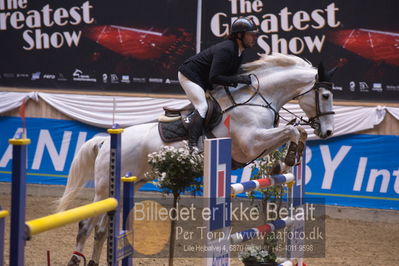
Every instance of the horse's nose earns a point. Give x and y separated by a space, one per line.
329 133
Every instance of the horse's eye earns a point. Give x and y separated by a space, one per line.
326 96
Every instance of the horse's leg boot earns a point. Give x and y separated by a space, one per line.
301 145
195 129
291 154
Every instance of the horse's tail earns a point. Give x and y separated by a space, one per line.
82 170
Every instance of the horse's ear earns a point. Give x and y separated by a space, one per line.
341 62
327 75
321 72
331 72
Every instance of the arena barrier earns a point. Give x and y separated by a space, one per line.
218 190
22 231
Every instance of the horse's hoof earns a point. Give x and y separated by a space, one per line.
291 154
74 261
92 263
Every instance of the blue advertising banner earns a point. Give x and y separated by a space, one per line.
53 146
350 170
354 170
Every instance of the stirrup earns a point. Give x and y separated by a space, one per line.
196 148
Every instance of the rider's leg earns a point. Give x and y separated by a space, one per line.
197 97
195 94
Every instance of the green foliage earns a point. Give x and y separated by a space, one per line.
264 167
273 194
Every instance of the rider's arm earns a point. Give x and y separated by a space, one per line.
221 61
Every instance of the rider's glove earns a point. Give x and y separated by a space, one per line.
245 79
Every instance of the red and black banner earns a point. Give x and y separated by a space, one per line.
137 46
361 37
120 45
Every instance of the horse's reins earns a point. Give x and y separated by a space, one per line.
247 102
312 122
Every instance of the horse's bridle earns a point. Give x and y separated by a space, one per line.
313 122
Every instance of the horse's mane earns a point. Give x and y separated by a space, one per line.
275 60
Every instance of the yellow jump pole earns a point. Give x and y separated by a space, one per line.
3 214
53 221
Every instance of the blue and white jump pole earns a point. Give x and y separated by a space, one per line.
217 194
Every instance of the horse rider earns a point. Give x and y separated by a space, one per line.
217 65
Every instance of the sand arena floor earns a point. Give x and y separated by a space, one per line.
368 238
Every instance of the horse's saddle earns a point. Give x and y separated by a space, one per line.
173 124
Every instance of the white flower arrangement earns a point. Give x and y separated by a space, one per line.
175 168
254 253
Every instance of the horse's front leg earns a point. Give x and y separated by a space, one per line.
253 142
302 142
295 148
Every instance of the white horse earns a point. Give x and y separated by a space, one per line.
280 78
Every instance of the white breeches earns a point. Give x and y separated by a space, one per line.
195 94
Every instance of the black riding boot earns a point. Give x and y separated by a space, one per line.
195 129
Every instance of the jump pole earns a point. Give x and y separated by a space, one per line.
3 215
18 200
21 231
128 204
114 191
116 235
217 191
60 219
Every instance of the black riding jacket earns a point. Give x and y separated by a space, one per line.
218 64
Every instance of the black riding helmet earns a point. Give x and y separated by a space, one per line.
243 25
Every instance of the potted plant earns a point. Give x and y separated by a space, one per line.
177 170
257 256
